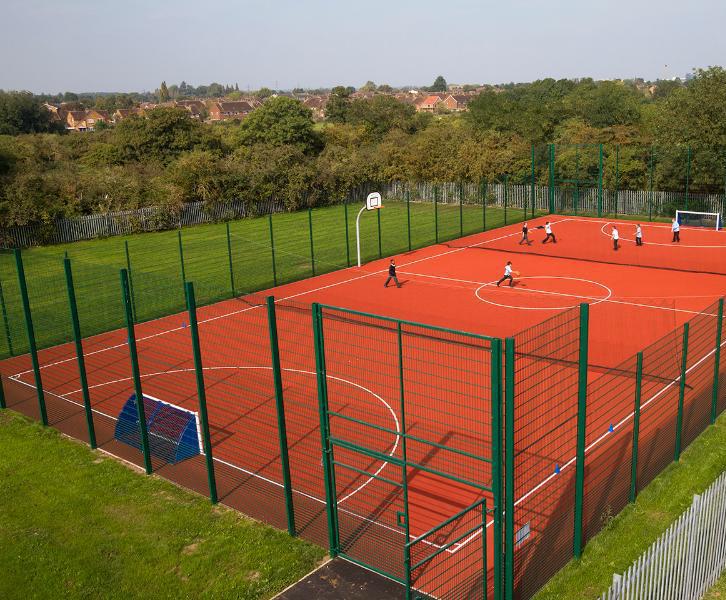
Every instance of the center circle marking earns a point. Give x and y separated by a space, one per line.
607 290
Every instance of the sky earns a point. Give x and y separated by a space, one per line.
132 45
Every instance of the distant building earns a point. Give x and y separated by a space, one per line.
456 102
222 111
428 103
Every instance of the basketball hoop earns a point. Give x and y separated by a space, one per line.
373 202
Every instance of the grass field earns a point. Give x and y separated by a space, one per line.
629 534
76 524
156 263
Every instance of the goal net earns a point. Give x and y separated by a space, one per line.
692 218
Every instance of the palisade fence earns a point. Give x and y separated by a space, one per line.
587 179
331 423
686 560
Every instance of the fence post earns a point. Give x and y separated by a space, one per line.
181 258
3 403
6 323
552 180
506 198
636 427
532 189
281 421
408 214
201 392
509 469
599 182
461 209
140 410
229 255
717 364
496 403
436 213
484 189
650 194
617 177
581 423
347 234
681 393
272 249
327 452
404 446
688 172
312 245
31 335
131 280
79 352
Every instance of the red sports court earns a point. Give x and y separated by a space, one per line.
637 297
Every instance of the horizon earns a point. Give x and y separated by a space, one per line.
83 45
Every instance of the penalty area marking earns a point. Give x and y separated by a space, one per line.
65 398
647 243
608 293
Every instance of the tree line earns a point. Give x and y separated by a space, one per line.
278 151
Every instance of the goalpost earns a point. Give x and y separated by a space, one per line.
693 218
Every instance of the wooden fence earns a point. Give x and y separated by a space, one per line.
686 560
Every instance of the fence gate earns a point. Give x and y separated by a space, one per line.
411 450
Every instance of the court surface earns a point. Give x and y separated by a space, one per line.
636 295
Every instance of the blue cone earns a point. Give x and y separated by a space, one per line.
557 469
610 429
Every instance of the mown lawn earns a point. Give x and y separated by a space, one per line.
77 524
631 533
155 261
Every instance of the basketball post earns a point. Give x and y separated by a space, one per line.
373 202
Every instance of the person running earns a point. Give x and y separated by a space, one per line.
507 274
392 274
676 229
638 235
550 235
616 237
525 235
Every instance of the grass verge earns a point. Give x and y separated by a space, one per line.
629 534
76 524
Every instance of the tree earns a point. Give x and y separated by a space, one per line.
385 88
439 85
380 114
21 113
263 92
336 110
163 92
369 86
161 135
280 121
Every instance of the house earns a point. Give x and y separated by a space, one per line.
196 108
457 102
220 111
427 103
317 105
56 115
123 113
85 120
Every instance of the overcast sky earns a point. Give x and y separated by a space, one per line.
132 45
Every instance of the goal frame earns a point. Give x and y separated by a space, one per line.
719 223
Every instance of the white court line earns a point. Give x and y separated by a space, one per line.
244 310
582 297
65 398
669 244
595 443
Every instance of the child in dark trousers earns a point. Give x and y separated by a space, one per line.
392 274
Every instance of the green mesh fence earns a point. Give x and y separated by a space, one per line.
409 416
545 425
408 426
608 443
